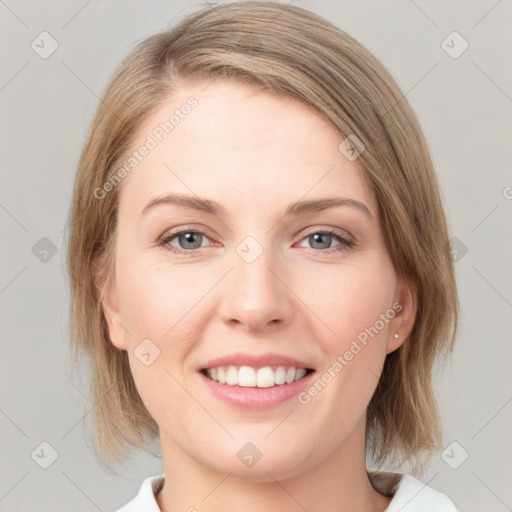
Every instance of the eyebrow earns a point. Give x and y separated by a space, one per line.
214 208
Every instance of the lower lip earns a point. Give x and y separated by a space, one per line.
256 398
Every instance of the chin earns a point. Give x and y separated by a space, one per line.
265 465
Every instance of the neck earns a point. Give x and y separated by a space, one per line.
339 483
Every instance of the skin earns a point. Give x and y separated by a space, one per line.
255 154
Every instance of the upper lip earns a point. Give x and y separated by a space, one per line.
255 361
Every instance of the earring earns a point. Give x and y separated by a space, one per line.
396 336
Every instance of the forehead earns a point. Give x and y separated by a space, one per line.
230 139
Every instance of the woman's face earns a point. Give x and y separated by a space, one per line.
254 285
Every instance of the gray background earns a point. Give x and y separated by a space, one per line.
464 105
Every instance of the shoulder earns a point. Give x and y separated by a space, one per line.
411 495
145 499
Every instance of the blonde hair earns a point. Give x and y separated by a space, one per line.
288 51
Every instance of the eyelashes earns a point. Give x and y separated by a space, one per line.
192 236
344 243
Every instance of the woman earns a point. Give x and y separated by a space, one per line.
260 269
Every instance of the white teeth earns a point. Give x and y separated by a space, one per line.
290 375
280 375
300 373
265 377
246 376
232 376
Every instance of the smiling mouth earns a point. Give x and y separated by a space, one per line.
250 377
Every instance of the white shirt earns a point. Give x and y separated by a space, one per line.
410 495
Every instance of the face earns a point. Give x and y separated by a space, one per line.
297 309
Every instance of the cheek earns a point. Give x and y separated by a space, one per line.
155 299
155 307
356 309
353 299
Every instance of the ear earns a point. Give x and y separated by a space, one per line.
105 283
405 306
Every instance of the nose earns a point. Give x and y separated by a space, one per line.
255 295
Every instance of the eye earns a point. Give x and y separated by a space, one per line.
322 240
188 241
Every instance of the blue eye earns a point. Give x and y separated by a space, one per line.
324 238
190 241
